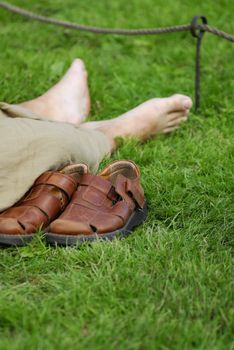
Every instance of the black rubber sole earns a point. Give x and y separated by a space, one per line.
15 240
135 220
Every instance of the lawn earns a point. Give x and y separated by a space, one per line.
170 284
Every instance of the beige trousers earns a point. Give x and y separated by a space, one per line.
31 145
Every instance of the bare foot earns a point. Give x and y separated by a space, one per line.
158 115
68 100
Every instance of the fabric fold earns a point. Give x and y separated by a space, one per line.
31 145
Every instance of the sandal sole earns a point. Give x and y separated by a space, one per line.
135 220
15 240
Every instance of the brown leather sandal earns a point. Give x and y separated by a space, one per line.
43 203
103 206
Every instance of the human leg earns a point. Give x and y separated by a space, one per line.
31 147
68 100
158 115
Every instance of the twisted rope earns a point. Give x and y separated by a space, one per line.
194 27
217 32
119 31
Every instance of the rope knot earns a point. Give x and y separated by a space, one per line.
196 29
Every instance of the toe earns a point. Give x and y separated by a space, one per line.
169 129
179 102
76 70
177 115
176 122
78 65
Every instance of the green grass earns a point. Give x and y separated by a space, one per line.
170 284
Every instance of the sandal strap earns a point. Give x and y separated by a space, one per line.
130 190
96 182
104 203
49 202
64 182
43 203
100 195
